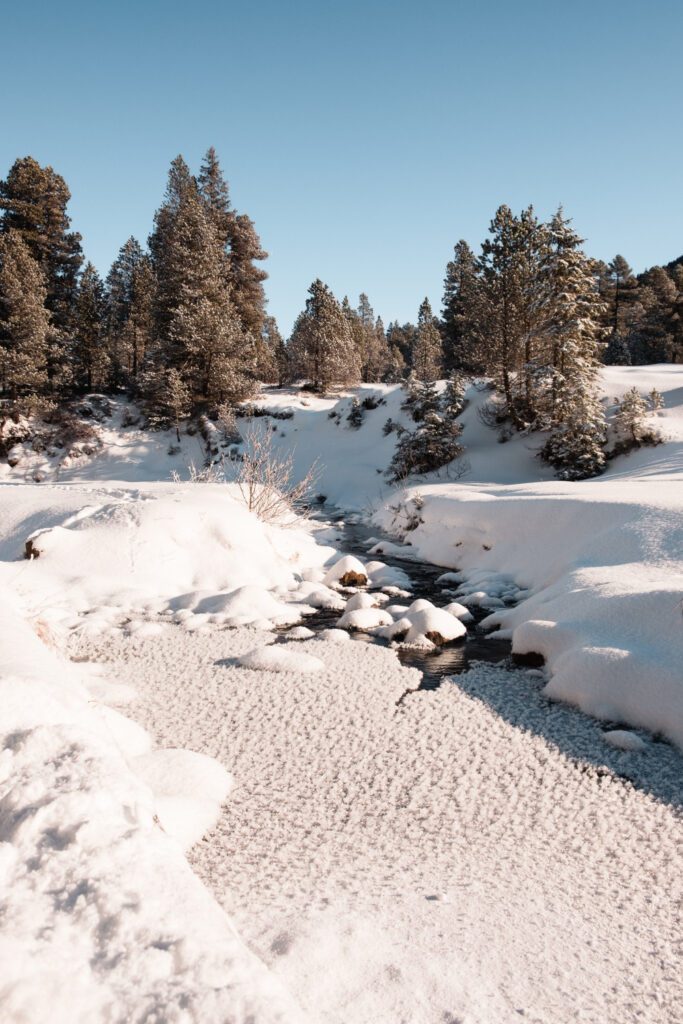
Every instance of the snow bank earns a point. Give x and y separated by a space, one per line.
96 894
193 550
595 566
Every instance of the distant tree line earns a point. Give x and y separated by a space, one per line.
182 323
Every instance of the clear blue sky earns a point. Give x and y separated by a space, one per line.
364 138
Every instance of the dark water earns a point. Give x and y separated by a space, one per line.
351 538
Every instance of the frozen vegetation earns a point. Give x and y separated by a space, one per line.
179 680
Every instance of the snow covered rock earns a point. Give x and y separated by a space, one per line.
347 572
363 600
365 619
459 610
434 625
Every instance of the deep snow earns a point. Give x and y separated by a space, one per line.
473 853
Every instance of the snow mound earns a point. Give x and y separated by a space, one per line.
300 633
248 605
279 658
365 619
335 636
363 600
460 611
97 898
186 547
188 791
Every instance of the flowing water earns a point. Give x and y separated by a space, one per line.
351 537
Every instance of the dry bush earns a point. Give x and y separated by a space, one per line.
265 481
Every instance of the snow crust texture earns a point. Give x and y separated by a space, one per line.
476 853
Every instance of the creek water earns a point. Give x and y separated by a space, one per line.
351 536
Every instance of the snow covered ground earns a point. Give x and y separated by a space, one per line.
478 853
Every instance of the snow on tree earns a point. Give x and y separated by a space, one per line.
427 361
321 348
632 408
167 398
570 406
24 319
435 440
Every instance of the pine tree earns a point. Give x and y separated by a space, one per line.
571 407
166 397
321 348
24 319
434 442
180 187
461 310
215 192
237 234
427 361
198 330
275 367
130 312
34 200
501 327
89 349
572 317
631 410
205 335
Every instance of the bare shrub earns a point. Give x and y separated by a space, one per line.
265 481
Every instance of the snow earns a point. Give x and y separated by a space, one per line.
365 619
280 658
623 739
426 621
95 890
471 852
343 567
481 852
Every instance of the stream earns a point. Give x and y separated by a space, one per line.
351 537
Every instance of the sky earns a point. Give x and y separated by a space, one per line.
363 138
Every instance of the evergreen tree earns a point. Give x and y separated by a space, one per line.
198 330
434 442
24 319
461 310
237 234
166 397
631 410
572 324
205 335
401 341
130 312
89 351
278 357
34 201
501 326
571 407
427 361
321 348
